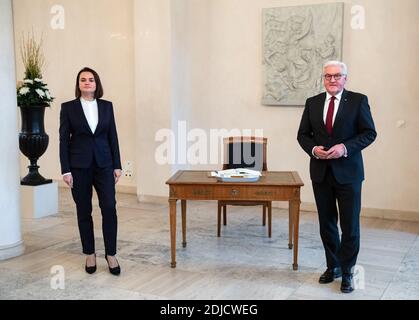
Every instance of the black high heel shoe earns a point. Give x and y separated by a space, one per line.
116 270
91 269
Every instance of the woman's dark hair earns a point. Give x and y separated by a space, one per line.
99 88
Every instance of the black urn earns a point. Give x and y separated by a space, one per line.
33 142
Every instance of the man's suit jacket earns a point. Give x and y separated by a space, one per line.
78 145
353 126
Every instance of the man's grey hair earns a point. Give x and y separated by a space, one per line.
341 64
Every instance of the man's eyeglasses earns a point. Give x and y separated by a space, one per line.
328 77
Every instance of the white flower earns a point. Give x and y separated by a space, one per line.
47 94
40 93
28 81
38 80
23 90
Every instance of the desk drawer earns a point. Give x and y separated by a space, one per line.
229 192
256 193
192 192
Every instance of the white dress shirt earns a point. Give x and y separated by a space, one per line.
91 113
338 97
326 106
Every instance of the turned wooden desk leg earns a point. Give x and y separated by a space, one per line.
295 211
270 219
289 226
183 204
264 215
219 220
172 203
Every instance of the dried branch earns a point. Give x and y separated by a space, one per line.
32 56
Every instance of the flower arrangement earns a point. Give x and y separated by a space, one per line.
32 91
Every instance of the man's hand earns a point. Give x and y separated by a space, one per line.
117 173
320 153
68 179
336 151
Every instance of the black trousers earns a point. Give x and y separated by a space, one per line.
340 251
102 179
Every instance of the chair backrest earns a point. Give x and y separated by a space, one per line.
245 152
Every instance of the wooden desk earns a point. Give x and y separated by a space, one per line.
198 185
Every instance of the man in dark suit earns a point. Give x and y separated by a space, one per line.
89 156
335 126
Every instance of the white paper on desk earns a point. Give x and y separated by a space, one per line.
239 172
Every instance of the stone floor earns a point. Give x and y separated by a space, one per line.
242 264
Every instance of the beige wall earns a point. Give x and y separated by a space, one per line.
98 34
198 59
153 90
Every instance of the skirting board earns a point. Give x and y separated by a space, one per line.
119 188
305 206
365 212
311 207
12 251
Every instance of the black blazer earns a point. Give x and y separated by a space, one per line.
353 126
78 144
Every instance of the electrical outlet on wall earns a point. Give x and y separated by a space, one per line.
127 169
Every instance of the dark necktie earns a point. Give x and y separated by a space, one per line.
329 116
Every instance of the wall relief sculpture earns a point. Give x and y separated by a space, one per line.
297 41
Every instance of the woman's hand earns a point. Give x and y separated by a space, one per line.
117 173
68 179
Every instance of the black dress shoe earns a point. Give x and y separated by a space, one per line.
115 270
91 269
346 286
330 274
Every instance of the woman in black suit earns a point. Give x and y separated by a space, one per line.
89 156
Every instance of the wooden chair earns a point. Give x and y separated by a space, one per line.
245 152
